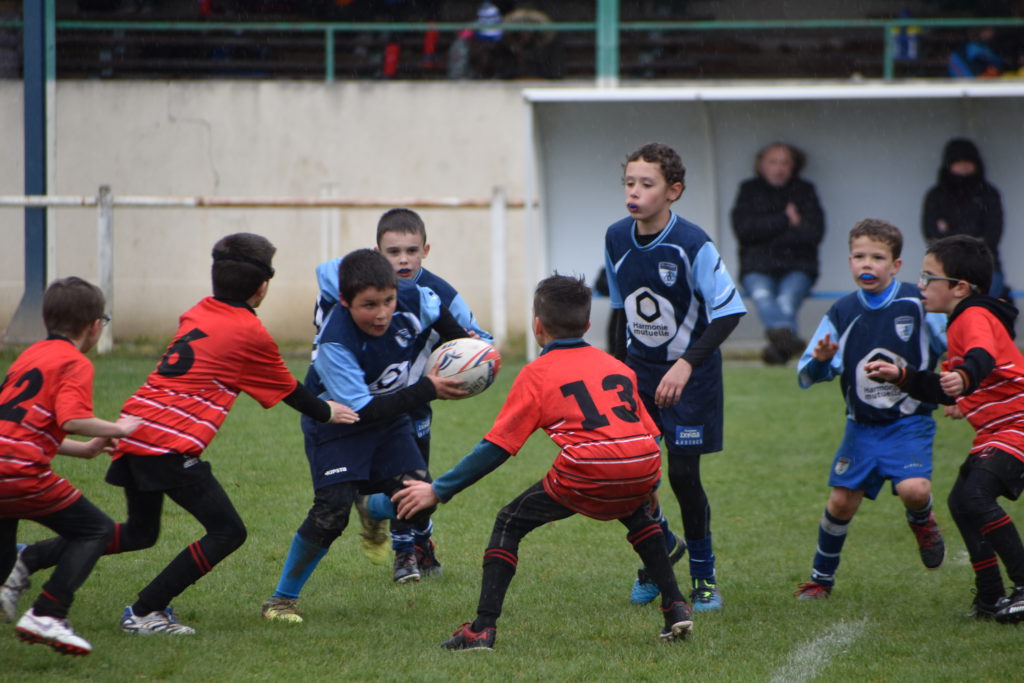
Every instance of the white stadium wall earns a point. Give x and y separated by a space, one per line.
868 155
873 151
266 139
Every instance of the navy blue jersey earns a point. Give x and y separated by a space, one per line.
670 288
896 329
351 367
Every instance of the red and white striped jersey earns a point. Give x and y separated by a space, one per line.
220 349
996 408
48 384
587 402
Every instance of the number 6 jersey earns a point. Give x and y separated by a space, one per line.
220 349
587 402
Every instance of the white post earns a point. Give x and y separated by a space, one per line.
499 254
105 260
530 247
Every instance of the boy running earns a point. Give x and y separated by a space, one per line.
363 357
608 465
888 434
981 380
46 395
220 350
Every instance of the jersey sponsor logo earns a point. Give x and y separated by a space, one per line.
904 327
403 337
336 470
668 272
842 464
394 377
873 392
651 317
422 427
689 436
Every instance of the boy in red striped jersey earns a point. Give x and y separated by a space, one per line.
220 350
608 465
46 395
982 381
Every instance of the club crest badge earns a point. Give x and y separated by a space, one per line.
669 273
904 327
842 464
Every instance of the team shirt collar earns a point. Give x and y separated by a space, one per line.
657 237
236 304
875 302
566 343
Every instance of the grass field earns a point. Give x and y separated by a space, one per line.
567 616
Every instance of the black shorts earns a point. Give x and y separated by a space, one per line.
1007 468
158 472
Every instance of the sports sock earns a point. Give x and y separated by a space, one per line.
499 568
1002 535
401 540
702 560
670 538
831 537
421 537
921 516
303 557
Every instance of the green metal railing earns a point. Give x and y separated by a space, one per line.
607 30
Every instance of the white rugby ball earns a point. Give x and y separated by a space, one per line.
474 362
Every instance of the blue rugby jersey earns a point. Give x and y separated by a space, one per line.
670 288
351 367
896 329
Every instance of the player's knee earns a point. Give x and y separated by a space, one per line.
421 518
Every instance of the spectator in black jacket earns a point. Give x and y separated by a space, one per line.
963 202
779 224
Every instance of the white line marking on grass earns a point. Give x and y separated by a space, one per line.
810 658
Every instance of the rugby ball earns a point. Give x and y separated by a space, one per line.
472 361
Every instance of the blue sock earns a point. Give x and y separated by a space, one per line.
831 536
380 507
421 537
303 557
401 541
702 560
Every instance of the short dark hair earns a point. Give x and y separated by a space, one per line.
70 305
880 231
562 303
401 220
667 158
362 269
795 153
964 258
241 264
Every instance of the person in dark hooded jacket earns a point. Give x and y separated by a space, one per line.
963 202
779 224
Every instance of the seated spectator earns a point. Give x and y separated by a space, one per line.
963 202
778 224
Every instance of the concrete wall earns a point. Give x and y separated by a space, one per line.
265 139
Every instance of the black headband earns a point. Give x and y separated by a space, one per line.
235 256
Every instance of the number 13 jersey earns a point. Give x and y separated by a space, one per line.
588 404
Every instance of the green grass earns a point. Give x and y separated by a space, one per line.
567 616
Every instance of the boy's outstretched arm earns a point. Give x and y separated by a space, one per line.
304 401
419 495
923 385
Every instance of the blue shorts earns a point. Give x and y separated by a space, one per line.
368 455
872 453
694 425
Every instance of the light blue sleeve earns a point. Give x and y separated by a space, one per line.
327 280
430 306
460 309
613 283
936 323
715 284
810 370
341 375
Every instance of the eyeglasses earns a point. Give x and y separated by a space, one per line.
925 279
105 319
